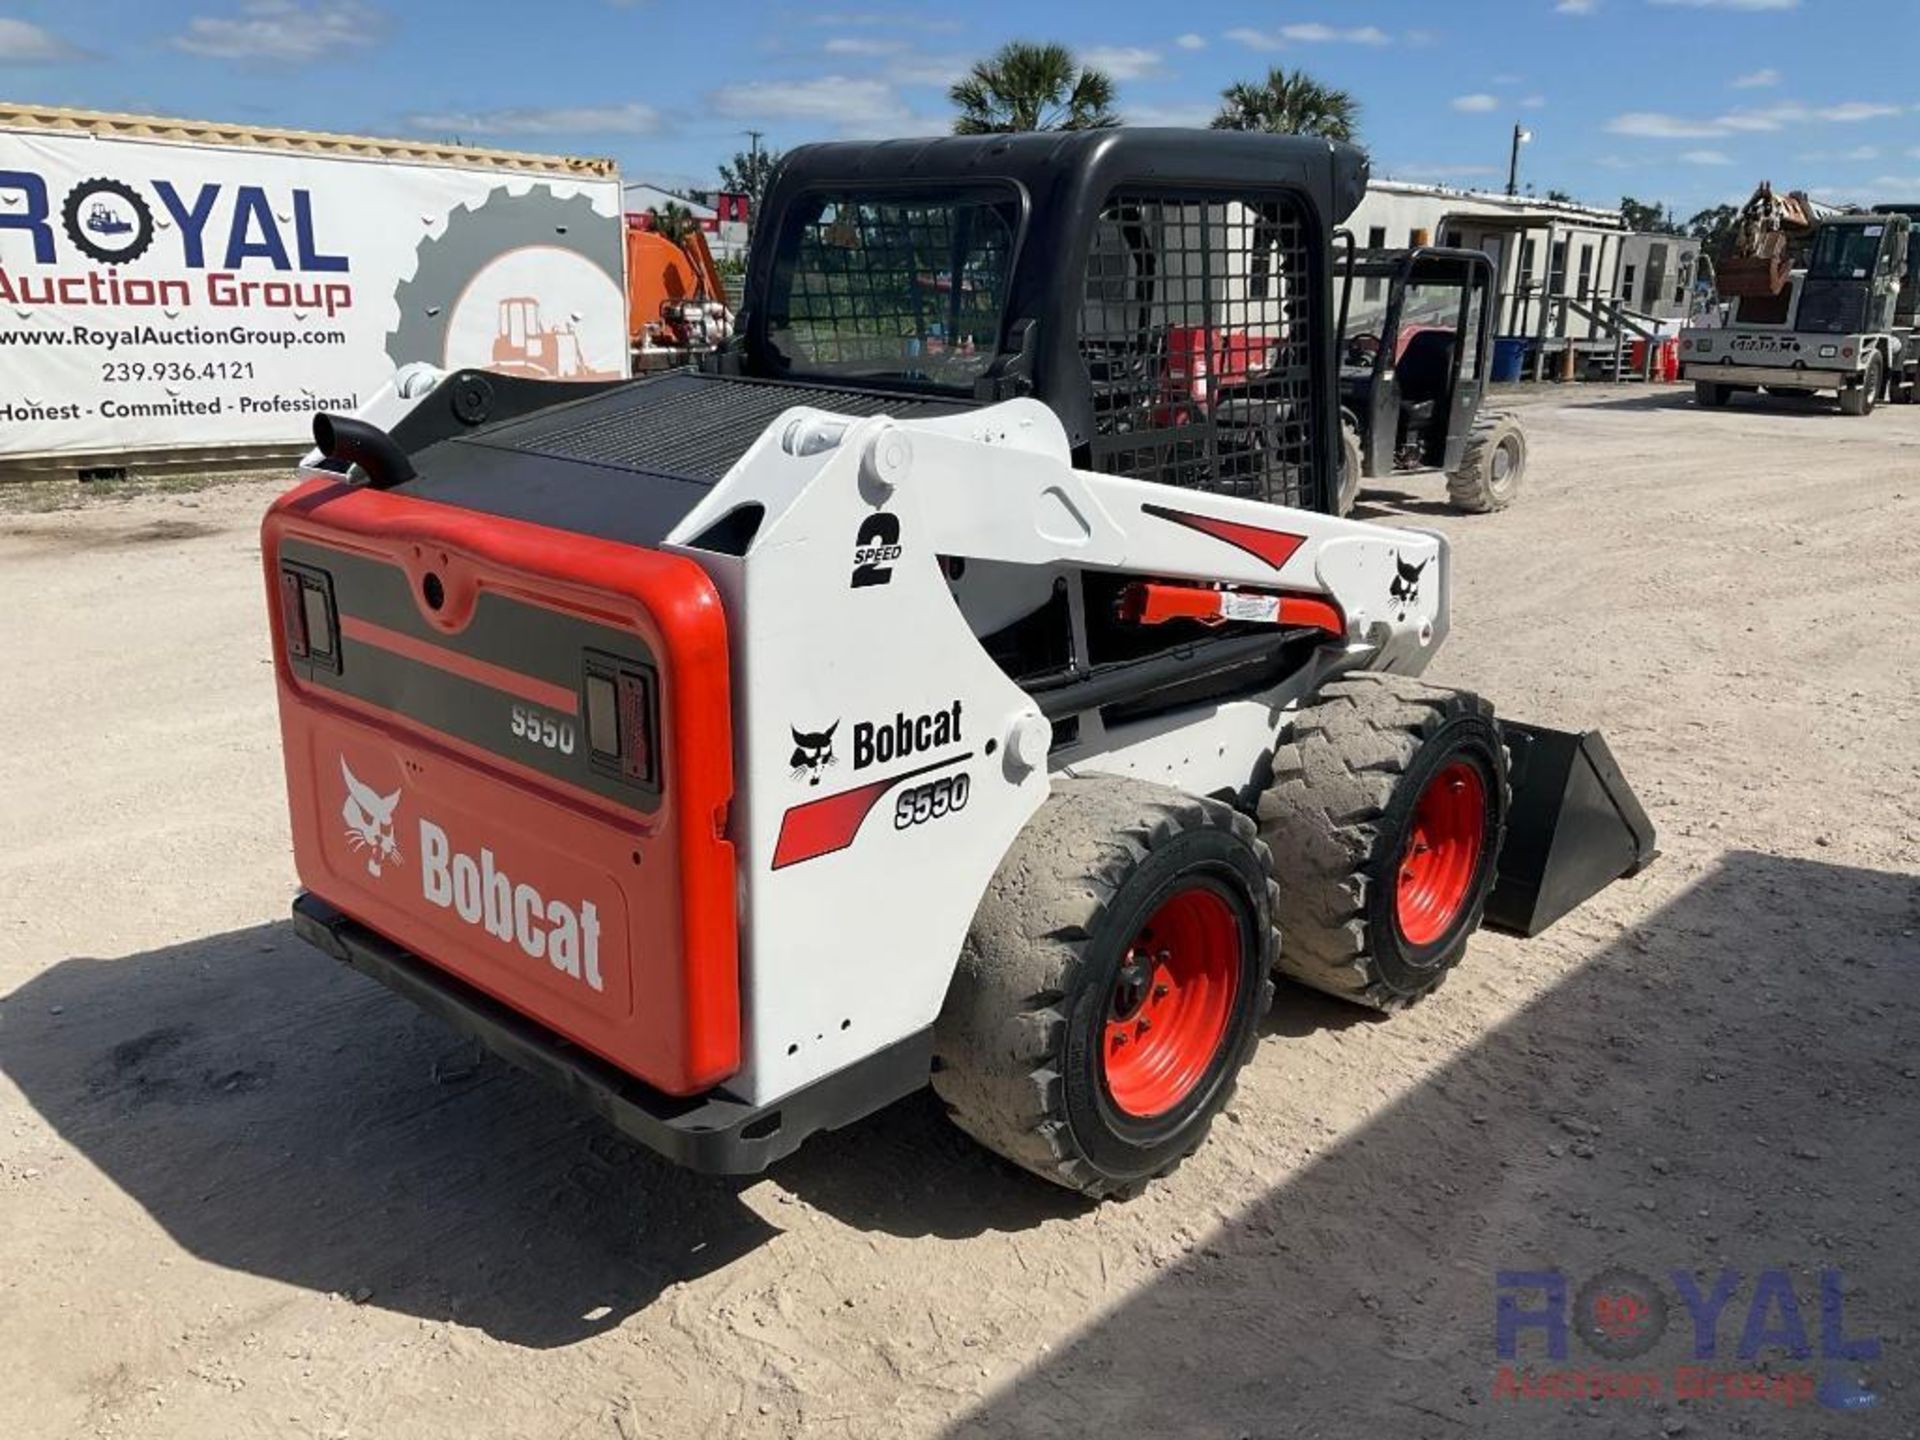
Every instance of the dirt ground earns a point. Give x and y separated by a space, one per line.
245 1192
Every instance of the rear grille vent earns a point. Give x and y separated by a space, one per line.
684 424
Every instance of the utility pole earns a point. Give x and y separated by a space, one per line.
1520 137
755 182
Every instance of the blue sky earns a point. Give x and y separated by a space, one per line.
1684 101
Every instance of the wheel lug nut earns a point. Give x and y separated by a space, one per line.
1160 992
1145 1024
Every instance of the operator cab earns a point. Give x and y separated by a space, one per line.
1415 340
1165 292
1855 270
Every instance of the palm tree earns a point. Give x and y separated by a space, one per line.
1288 104
1031 87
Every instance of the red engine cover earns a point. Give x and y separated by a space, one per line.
445 786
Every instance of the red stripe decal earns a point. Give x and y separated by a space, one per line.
482 672
824 826
1275 547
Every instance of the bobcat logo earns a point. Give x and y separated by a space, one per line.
812 753
1405 588
369 820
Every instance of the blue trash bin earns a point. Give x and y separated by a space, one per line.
1509 358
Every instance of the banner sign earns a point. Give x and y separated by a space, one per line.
155 295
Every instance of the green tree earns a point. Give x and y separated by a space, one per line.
1023 86
1288 103
1645 219
747 174
674 221
1713 228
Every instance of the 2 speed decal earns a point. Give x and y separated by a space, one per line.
876 545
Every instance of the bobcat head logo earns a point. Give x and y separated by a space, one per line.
812 753
1405 588
369 818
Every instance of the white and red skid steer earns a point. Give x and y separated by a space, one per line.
959 679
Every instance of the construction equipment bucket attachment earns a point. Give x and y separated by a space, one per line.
1574 827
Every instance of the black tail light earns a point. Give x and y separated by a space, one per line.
309 620
621 709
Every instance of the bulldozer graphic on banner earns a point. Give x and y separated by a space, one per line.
526 347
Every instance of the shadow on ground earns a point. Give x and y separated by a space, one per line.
1732 1082
281 1115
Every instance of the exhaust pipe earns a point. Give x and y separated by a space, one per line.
341 437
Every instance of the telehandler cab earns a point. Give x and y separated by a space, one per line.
961 679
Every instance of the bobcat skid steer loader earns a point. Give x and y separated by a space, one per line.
953 681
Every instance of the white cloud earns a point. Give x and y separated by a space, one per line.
1577 7
1909 183
1476 104
1855 110
1764 79
1533 102
629 119
919 69
1705 157
862 45
1191 41
1314 33
1185 117
1308 33
833 99
1656 125
25 44
285 30
1653 125
1122 62
1731 4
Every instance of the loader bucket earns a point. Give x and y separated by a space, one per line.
1573 829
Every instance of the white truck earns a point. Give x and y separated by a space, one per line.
1813 300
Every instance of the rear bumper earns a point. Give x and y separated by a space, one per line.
1806 379
713 1133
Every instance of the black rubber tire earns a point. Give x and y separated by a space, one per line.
1860 399
1336 816
1711 395
1491 468
1350 466
1017 1045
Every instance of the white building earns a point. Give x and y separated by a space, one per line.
1557 264
725 224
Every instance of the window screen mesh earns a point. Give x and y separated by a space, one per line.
1196 330
900 288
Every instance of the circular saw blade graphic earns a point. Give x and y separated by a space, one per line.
474 239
